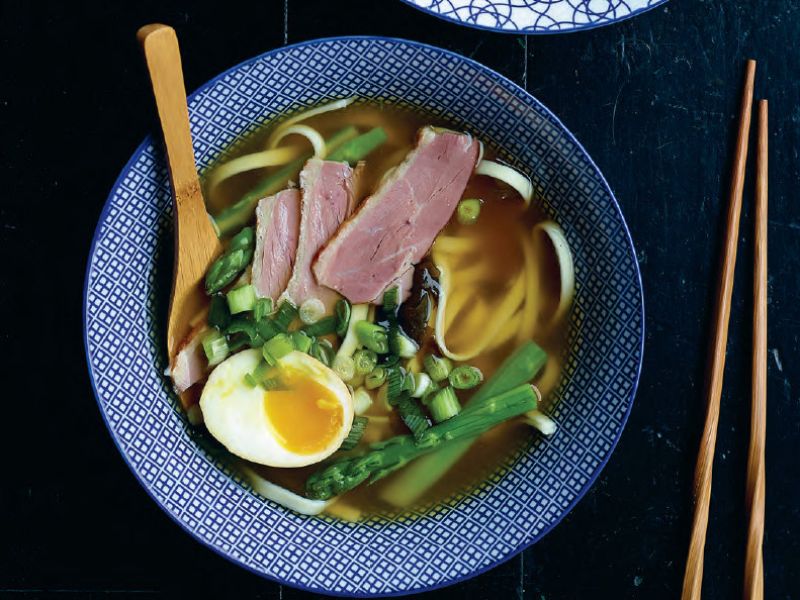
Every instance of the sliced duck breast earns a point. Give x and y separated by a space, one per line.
395 227
277 232
328 199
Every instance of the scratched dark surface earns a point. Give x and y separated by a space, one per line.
652 99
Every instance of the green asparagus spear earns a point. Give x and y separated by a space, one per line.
232 262
241 212
522 366
383 458
354 150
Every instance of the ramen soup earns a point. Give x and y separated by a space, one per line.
385 322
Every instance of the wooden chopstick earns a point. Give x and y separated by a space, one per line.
693 576
754 563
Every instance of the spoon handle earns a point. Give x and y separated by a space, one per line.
160 45
196 242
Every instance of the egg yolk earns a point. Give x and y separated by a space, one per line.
306 415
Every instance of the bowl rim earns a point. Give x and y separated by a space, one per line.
526 32
149 140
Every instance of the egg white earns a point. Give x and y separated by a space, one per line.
235 413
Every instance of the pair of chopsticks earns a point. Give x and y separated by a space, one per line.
754 568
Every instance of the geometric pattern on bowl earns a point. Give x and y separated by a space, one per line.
127 286
535 16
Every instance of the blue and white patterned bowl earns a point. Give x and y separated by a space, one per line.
535 16
127 285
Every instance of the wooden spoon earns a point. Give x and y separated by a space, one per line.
196 242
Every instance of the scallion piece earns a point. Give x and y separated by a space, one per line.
287 312
444 405
324 326
267 329
362 400
218 314
277 348
248 328
311 311
411 413
468 211
438 368
241 299
262 309
263 375
391 300
422 384
216 347
365 361
344 367
356 432
343 310
409 383
395 381
301 341
465 377
373 336
322 351
375 378
403 345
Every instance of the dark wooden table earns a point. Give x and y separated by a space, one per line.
652 99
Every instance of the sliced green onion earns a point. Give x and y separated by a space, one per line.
411 413
246 327
444 405
365 361
287 312
262 309
409 383
422 384
350 342
322 351
216 347
373 336
311 311
343 311
375 378
390 360
465 377
362 400
218 314
344 367
403 346
383 396
277 348
242 299
356 432
438 368
301 341
468 211
395 380
324 326
267 329
391 299
263 375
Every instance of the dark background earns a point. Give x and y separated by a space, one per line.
652 99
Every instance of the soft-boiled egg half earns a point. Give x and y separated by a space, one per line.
299 424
